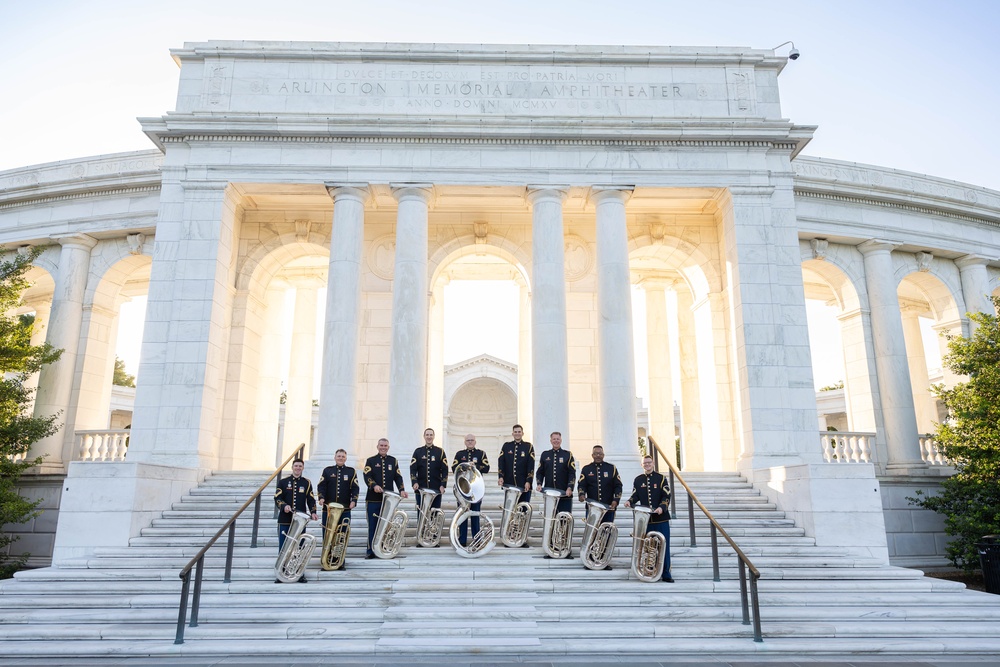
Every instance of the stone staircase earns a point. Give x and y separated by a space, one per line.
510 603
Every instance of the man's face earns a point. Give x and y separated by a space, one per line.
598 454
297 468
518 434
383 447
555 440
647 464
340 458
428 437
470 442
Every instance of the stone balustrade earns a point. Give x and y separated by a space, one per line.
931 452
858 447
102 444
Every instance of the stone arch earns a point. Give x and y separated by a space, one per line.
464 246
112 264
694 266
485 406
263 261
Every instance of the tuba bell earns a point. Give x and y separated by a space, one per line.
599 539
516 518
557 534
296 551
388 538
470 487
649 550
335 538
430 523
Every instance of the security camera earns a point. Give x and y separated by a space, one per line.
793 54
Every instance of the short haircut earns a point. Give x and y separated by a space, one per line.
555 433
517 426
428 429
339 451
385 440
647 456
298 461
599 447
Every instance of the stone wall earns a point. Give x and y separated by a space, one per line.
915 536
37 536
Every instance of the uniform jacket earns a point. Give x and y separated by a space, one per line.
600 482
298 494
652 491
476 456
516 465
429 468
556 469
338 484
382 471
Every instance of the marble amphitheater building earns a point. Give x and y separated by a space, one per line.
381 172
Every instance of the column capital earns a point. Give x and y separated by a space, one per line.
539 193
358 191
654 280
409 191
875 246
602 193
966 261
79 240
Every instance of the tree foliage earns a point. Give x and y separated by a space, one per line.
121 378
970 438
19 359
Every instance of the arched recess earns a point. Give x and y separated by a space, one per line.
830 280
462 258
251 408
484 406
116 277
932 295
37 299
708 430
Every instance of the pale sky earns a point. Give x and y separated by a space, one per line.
905 84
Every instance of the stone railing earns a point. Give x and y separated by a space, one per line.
848 446
859 447
102 444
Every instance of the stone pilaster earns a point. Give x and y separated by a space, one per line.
975 285
661 389
301 365
691 433
55 382
408 348
338 389
891 363
549 359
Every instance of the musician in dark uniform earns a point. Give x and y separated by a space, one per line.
477 457
338 484
381 474
428 470
651 489
516 465
557 470
294 494
600 481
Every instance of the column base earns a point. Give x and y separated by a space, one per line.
106 504
910 469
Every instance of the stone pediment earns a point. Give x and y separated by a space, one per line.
483 360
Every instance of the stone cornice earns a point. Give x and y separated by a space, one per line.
478 361
109 192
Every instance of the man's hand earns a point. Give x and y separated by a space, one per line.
658 510
403 493
416 487
569 492
627 504
353 505
314 516
500 479
288 508
527 486
442 489
377 489
614 504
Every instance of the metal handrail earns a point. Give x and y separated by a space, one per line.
744 562
198 562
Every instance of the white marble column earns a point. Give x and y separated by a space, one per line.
975 285
619 431
923 402
408 349
661 388
524 382
55 382
891 363
301 366
549 357
692 443
268 406
338 413
860 381
39 329
435 362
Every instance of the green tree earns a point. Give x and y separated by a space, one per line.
121 378
970 438
19 359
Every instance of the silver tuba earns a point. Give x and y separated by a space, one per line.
388 538
470 487
516 518
557 534
430 523
649 550
599 539
296 551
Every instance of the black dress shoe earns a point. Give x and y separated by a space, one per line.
525 545
570 556
371 557
608 567
547 556
668 580
303 580
277 581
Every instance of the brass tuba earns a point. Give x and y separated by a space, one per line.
470 487
430 523
296 551
649 550
599 539
516 518
335 538
557 534
388 538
